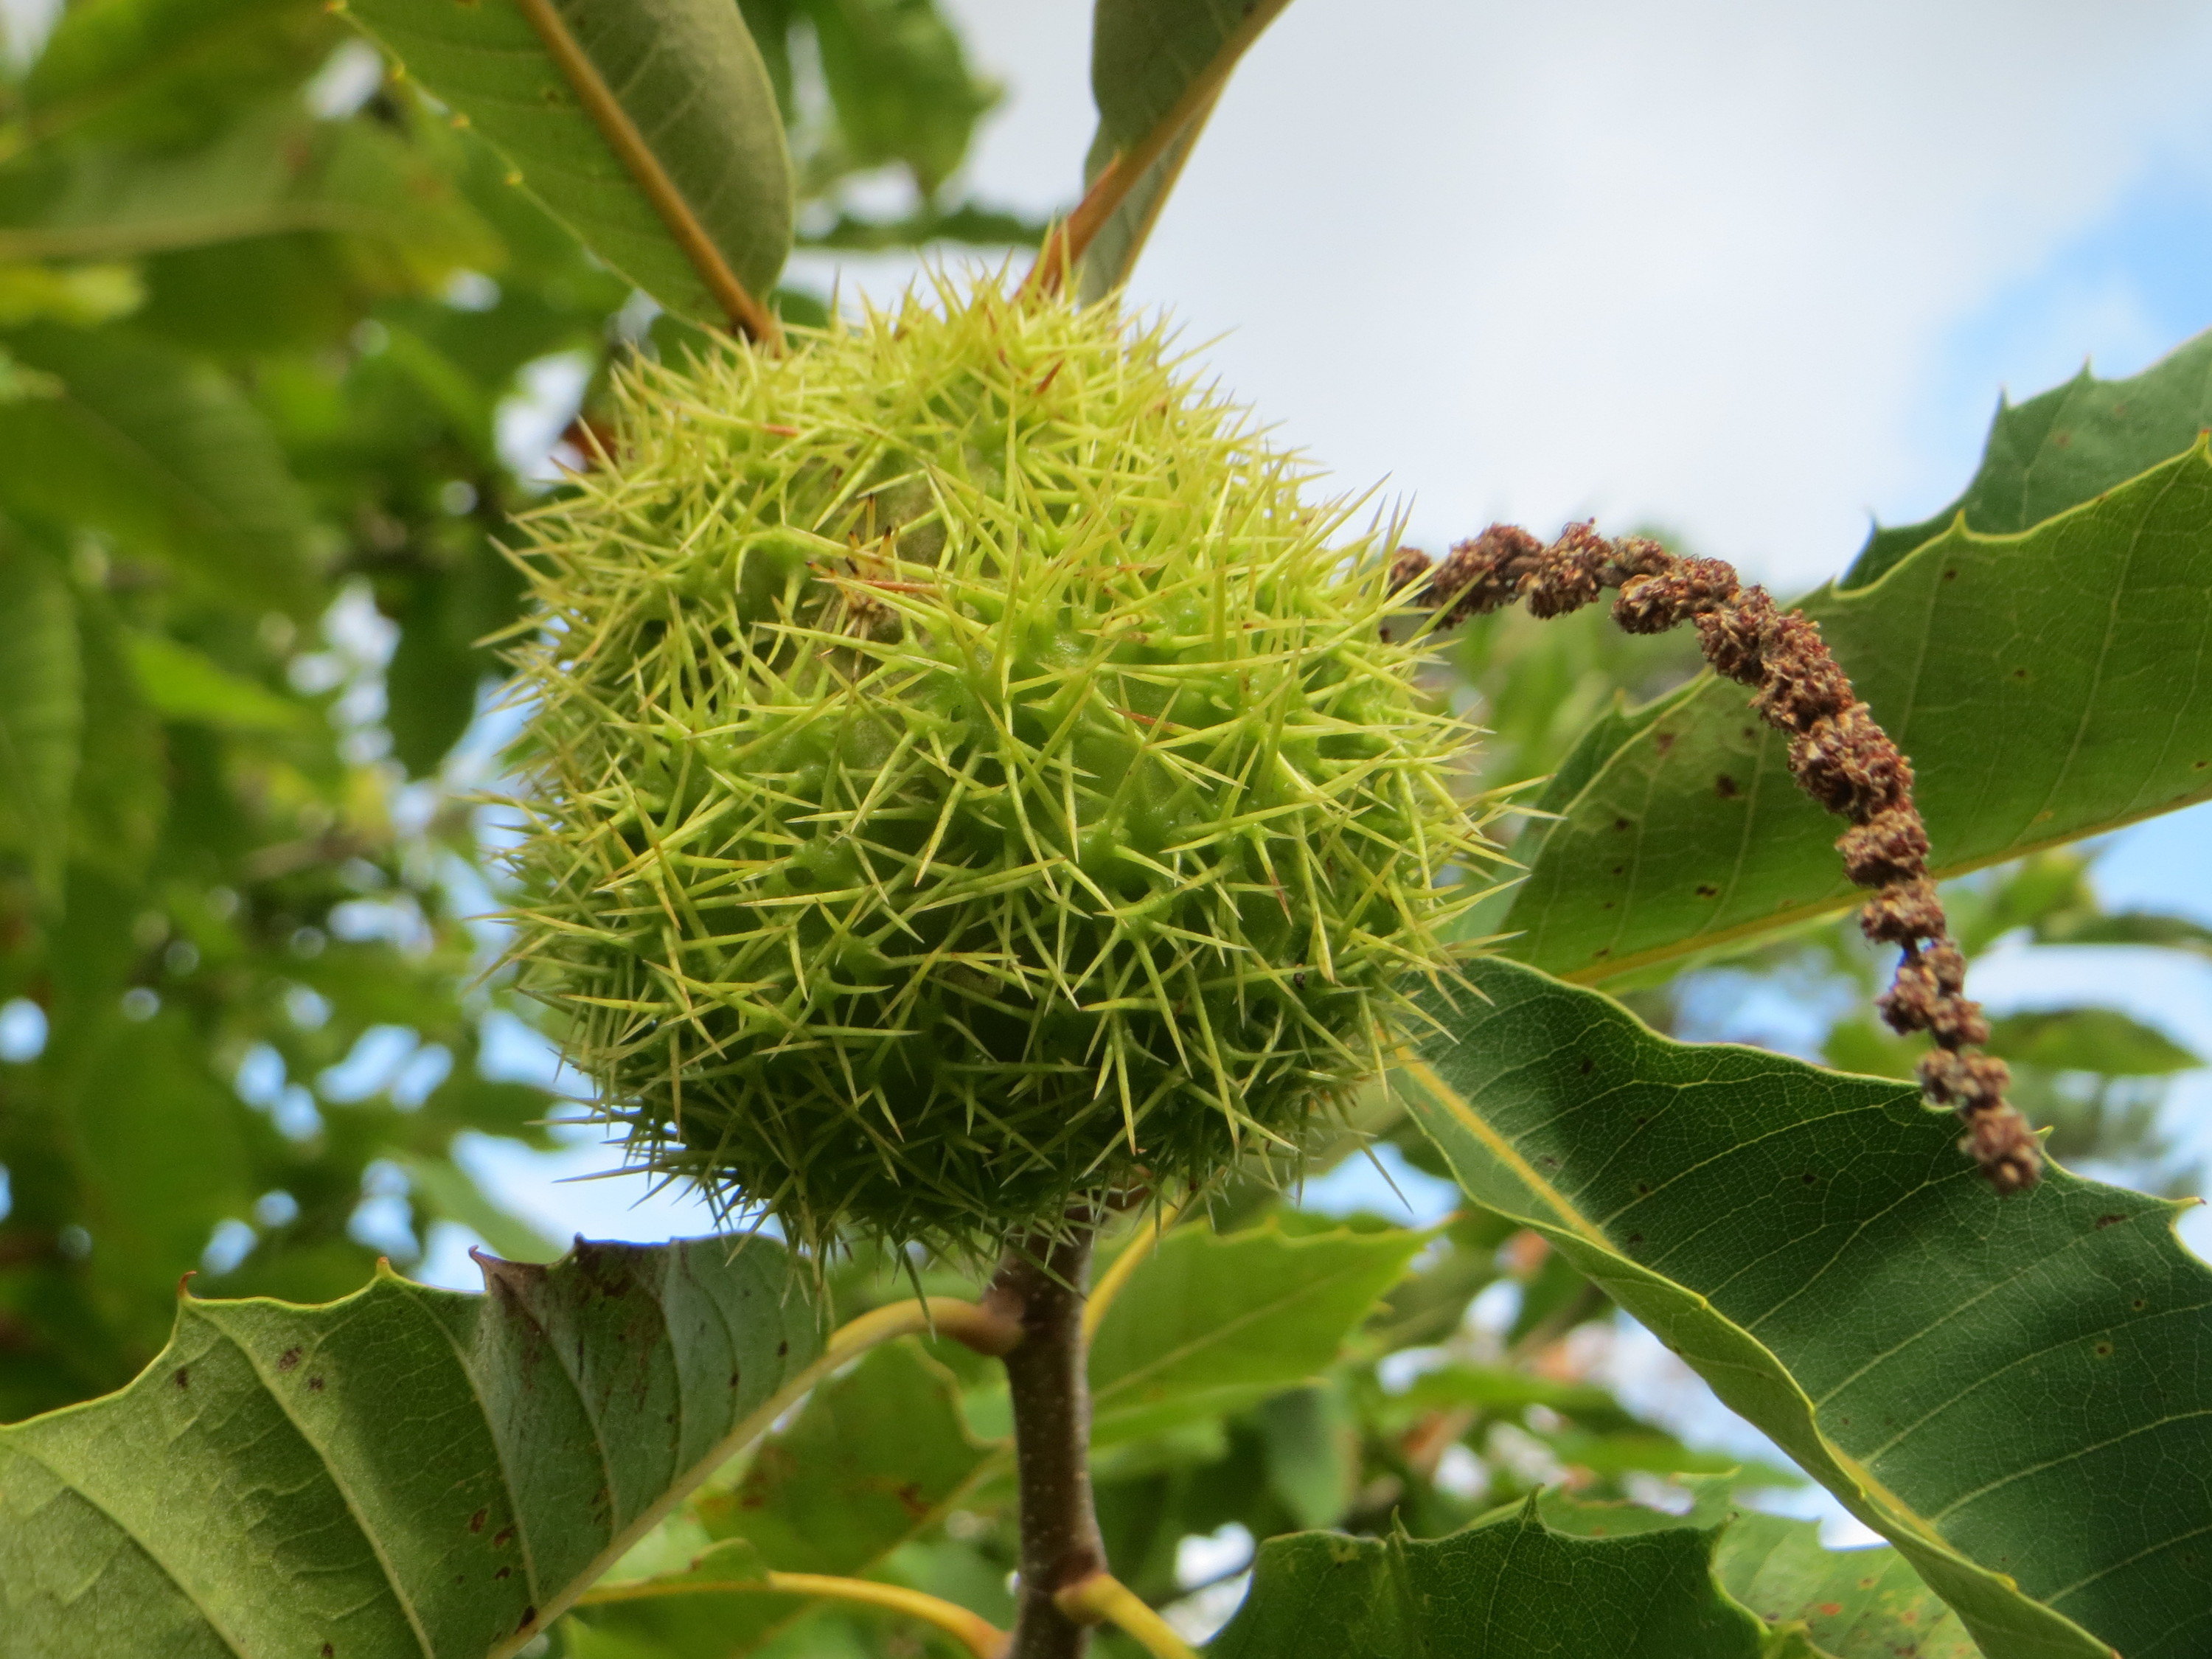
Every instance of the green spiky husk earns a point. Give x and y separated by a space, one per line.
964 777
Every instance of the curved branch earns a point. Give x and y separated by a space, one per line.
1104 1599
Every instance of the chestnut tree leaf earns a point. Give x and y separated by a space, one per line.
1506 1588
876 1458
648 127
1217 1321
2047 685
408 1474
165 454
2016 1392
1852 1604
41 710
1156 68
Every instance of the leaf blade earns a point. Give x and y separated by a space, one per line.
2030 677
1156 70
1814 1245
649 127
1511 1588
407 1459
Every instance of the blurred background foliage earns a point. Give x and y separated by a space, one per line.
280 351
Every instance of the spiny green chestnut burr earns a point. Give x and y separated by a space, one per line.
964 777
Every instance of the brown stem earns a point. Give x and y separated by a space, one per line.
1041 1283
1838 755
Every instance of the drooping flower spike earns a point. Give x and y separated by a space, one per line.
1837 753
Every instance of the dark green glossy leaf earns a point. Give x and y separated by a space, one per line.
2012 1391
406 1472
1156 68
2038 682
686 84
1511 1588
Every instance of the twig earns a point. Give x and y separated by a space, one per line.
1103 1599
971 1630
1837 753
1041 1284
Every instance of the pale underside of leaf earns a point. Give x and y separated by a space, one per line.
1158 69
649 127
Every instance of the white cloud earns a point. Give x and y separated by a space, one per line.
1693 263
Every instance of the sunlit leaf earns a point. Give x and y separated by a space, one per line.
1815 1246
407 1472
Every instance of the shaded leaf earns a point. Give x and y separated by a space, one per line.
1213 1322
181 683
1512 1587
2088 1040
164 454
272 171
41 710
2034 679
876 1458
1156 68
164 72
1914 1364
408 1471
901 83
649 127
1853 1604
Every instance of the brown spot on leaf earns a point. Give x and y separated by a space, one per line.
315 1384
2104 1351
183 1378
782 1349
1725 786
502 1538
1622 824
288 1359
1586 1066
477 1521
1830 1609
1950 576
529 1618
2104 1221
1663 740
1706 890
502 1572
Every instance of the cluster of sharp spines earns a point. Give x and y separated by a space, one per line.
1127 513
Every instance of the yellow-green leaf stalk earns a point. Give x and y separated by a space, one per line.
965 776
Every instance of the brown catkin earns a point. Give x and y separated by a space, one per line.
1837 753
